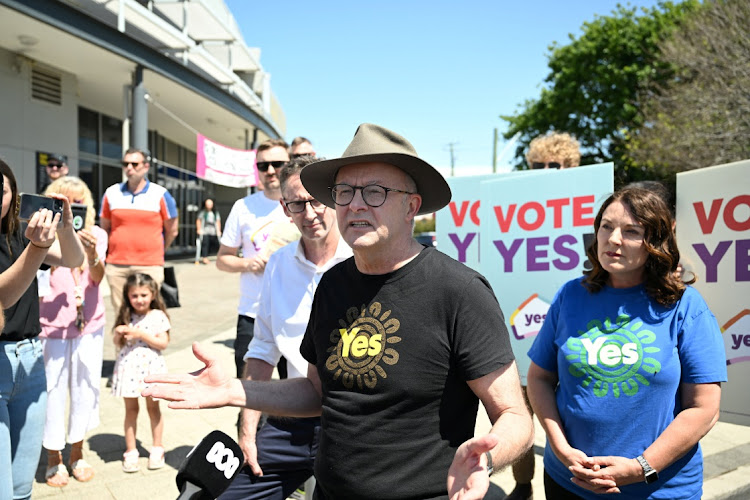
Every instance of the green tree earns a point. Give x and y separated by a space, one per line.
701 117
594 82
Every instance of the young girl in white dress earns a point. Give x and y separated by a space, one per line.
142 332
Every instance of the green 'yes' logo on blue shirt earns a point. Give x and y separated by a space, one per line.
612 355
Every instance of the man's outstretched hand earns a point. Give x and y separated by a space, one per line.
209 387
467 477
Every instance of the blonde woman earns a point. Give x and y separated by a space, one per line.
72 319
554 150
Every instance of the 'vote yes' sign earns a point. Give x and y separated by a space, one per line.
713 234
527 233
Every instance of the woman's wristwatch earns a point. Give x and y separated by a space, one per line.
96 261
650 474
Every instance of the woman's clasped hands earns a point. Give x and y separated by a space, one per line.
606 474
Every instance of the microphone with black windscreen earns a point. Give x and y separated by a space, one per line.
209 468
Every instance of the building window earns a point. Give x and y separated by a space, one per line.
111 137
99 151
88 131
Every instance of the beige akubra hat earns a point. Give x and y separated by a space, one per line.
373 143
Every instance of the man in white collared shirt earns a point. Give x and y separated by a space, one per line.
280 458
250 226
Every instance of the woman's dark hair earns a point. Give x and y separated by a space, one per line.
137 280
660 277
659 188
10 224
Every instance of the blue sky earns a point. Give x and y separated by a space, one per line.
437 72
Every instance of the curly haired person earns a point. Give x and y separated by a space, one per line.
553 150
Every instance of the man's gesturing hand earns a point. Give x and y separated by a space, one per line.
467 477
209 387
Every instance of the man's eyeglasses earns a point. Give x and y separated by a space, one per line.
54 165
374 195
133 164
264 165
538 165
297 207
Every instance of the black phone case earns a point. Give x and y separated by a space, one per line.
31 203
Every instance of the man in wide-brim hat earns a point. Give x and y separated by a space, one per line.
402 342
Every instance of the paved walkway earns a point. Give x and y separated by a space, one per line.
726 448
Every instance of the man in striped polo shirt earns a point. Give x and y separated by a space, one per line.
141 219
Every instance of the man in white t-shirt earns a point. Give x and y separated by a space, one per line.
250 226
280 456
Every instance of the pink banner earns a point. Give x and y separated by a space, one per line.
224 165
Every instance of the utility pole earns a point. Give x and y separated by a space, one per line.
494 151
453 160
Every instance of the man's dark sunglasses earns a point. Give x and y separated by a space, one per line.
263 165
127 164
54 165
302 155
538 165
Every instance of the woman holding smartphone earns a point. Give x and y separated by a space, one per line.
72 318
48 239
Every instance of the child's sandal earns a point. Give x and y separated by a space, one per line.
156 458
130 461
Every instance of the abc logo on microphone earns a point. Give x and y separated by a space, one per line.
209 467
223 459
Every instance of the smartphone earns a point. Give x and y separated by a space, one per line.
32 203
79 215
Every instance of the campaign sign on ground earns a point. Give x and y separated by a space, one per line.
713 234
535 230
457 225
224 165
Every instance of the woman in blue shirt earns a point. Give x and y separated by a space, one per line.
626 370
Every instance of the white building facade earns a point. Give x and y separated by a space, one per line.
89 78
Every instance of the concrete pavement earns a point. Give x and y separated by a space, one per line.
209 300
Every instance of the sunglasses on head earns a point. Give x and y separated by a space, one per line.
264 165
537 165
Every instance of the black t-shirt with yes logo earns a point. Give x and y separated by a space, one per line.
393 353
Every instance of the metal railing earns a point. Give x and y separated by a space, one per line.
187 190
